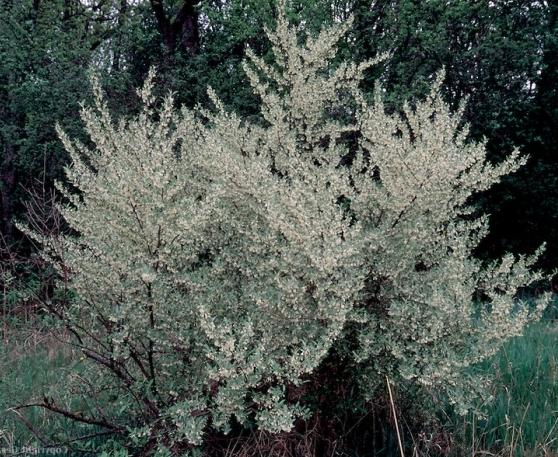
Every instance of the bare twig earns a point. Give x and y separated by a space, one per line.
395 417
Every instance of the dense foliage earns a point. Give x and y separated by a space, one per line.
501 55
217 262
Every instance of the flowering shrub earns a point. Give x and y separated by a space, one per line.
216 262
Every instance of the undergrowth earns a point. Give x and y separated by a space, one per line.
522 421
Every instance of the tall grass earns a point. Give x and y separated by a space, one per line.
32 361
522 421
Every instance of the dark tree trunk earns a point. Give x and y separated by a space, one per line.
187 28
182 32
67 10
121 20
7 188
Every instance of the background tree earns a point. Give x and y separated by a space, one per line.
45 49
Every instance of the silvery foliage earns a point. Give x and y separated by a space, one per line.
216 261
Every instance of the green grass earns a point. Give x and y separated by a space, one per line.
32 361
523 419
521 422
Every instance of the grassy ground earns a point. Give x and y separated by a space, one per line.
32 360
522 421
